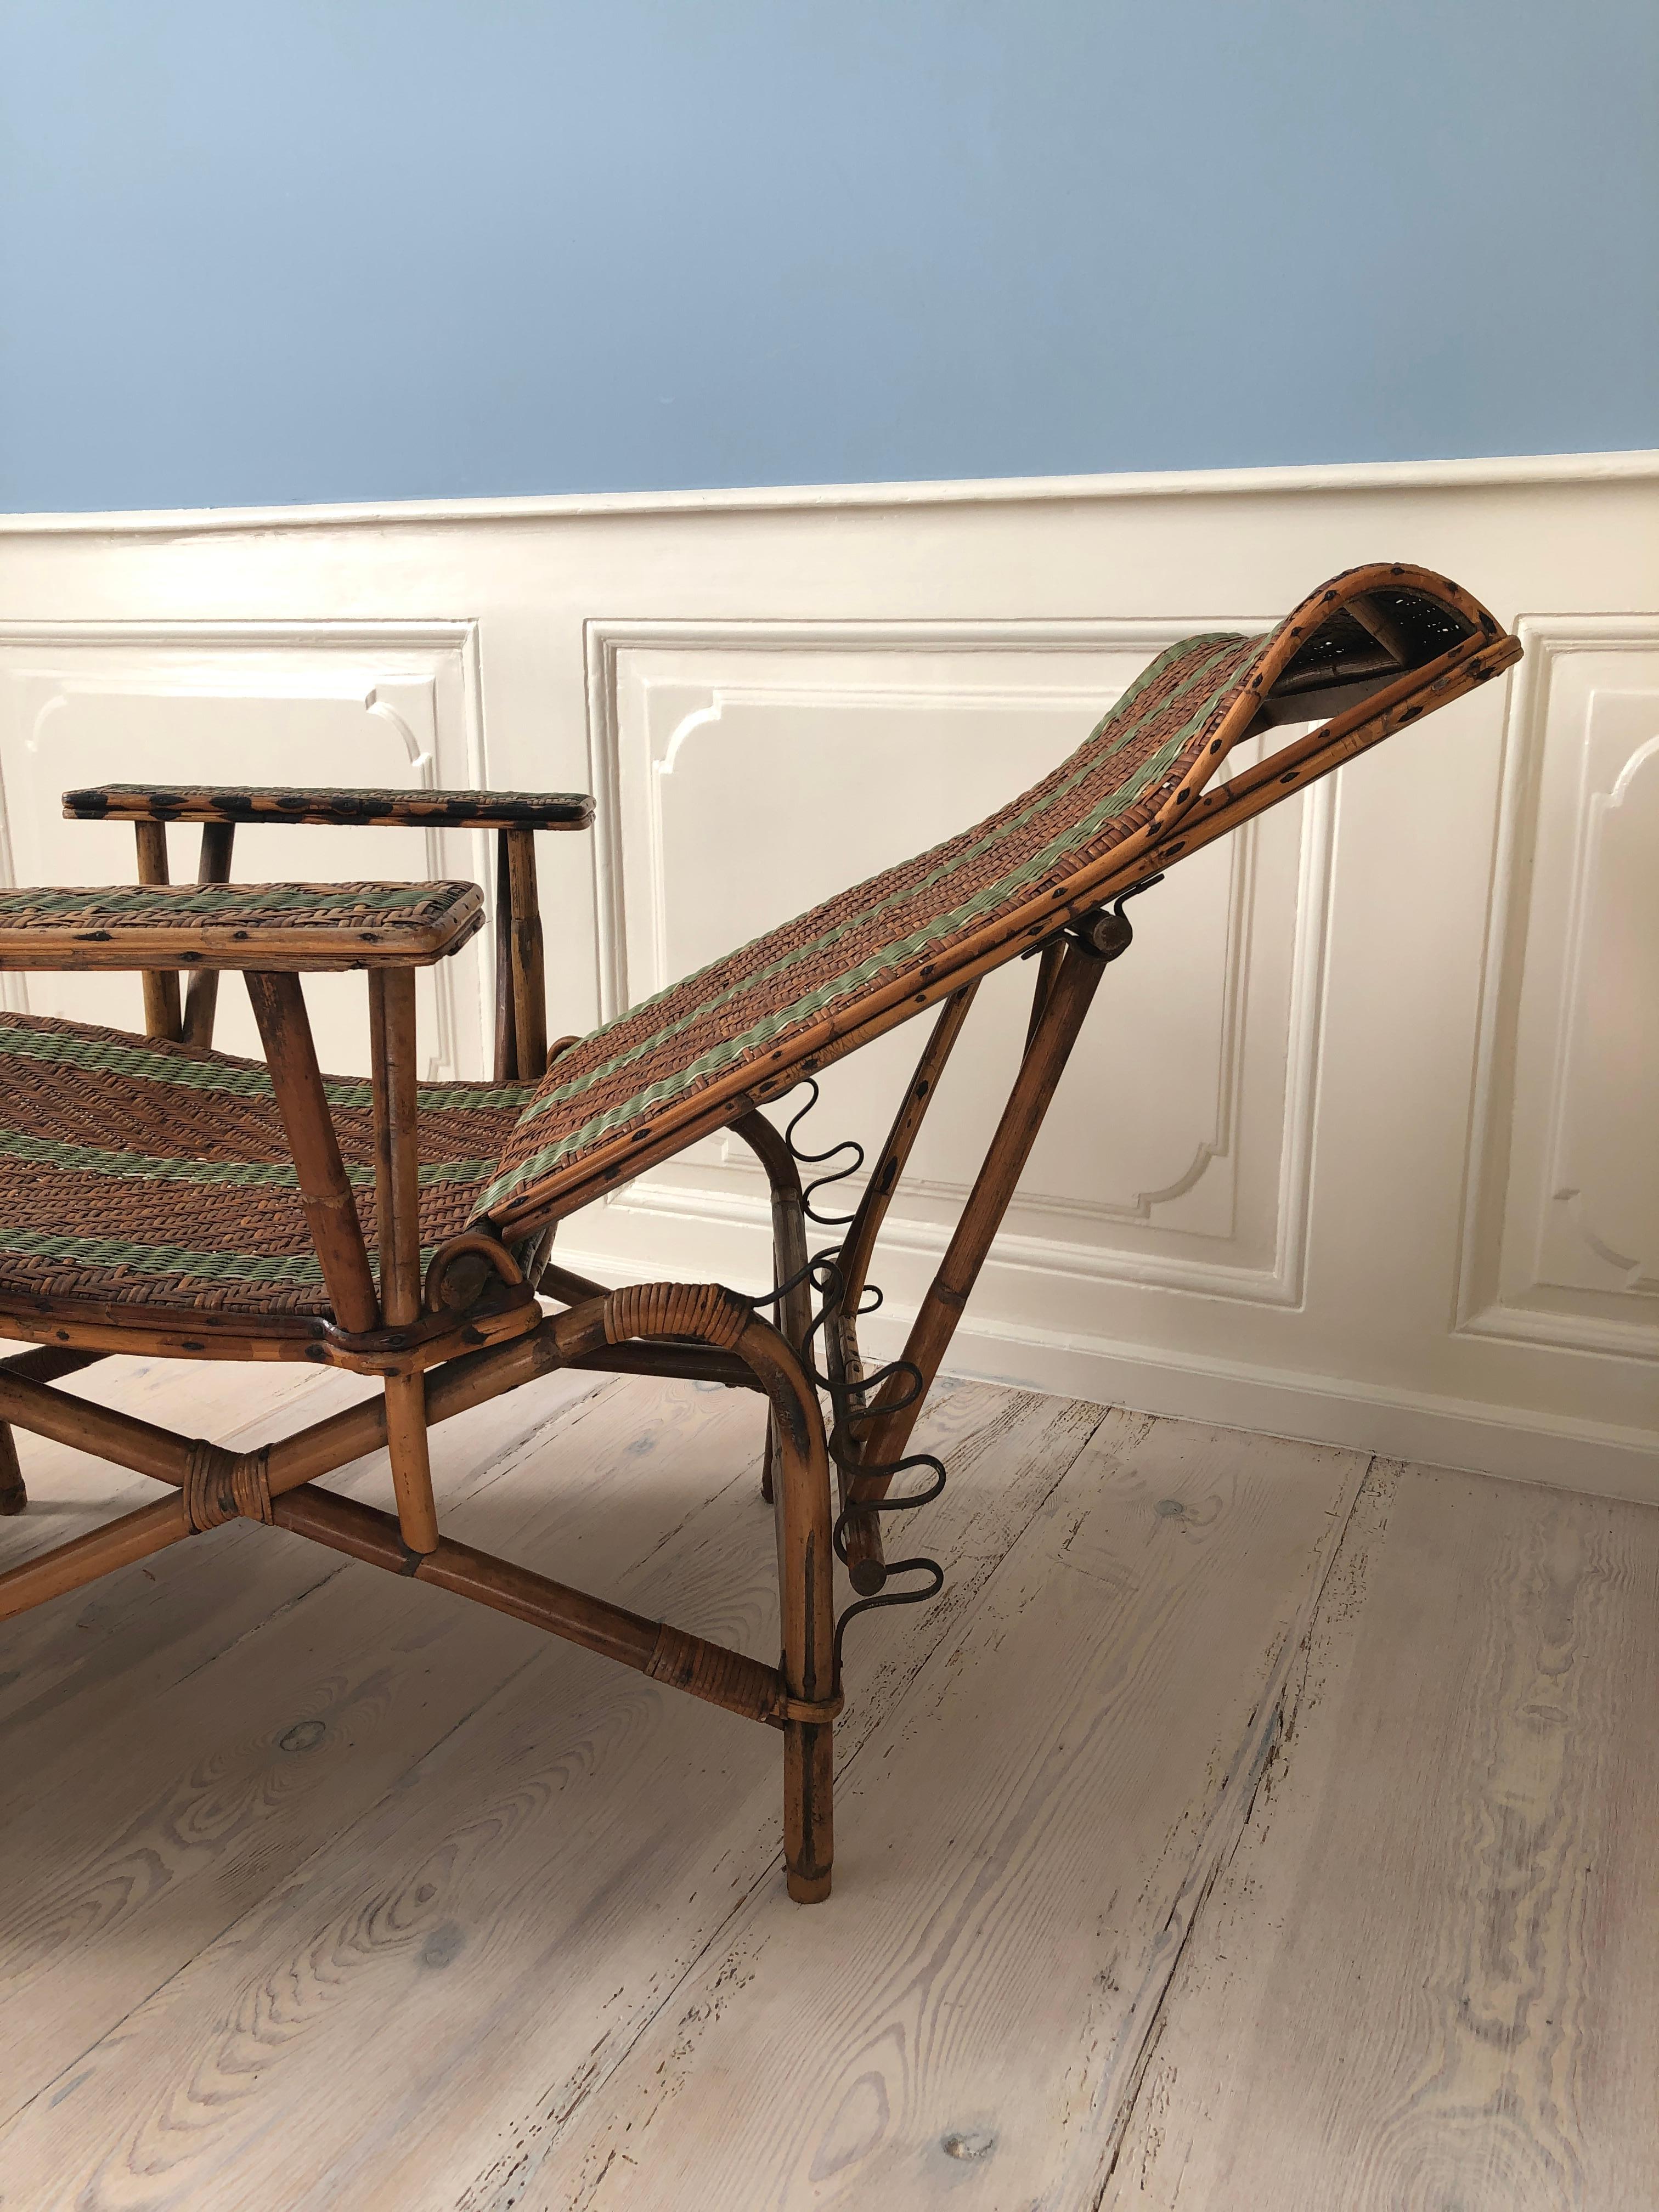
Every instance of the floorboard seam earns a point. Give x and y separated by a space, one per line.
492 1471
1219 1838
324 1843
508 2192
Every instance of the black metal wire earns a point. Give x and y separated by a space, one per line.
852 1403
817 1159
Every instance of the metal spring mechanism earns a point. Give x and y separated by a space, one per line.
851 1402
1108 932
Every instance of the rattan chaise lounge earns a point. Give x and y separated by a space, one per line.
161 1197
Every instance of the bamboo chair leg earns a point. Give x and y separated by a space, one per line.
13 1491
161 1015
788 1256
398 1204
803 1514
44 1364
858 1247
860 1244
411 1463
202 992
87 1558
529 987
806 1597
809 1828
1065 994
330 1211
507 1034
1049 961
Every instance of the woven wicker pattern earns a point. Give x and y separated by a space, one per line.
244 907
748 1007
253 802
137 1173
704 1310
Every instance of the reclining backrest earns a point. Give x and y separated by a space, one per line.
1372 650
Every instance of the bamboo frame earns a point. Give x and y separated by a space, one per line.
438 1360
202 992
1057 1021
110 943
789 1254
525 928
330 1211
515 817
161 1015
44 1364
507 1029
799 1696
1171 835
397 1210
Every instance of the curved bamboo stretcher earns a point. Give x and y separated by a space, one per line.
162 1197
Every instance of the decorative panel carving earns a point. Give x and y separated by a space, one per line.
1563 1241
391 703
744 772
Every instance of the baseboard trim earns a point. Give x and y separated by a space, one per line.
1593 1458
1498 470
1601 1461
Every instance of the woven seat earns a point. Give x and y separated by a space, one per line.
159 1197
140 1172
775 1001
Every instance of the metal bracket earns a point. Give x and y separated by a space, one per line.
1107 930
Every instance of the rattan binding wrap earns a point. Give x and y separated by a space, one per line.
724 1678
704 1310
223 1485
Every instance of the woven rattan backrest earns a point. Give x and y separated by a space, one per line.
1374 649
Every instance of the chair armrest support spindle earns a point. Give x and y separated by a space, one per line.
330 1211
161 1013
202 992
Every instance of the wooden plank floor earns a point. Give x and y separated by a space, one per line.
1248 1826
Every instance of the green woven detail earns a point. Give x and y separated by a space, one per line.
298 1271
250 1174
209 902
465 1098
230 1078
956 921
95 1055
290 1271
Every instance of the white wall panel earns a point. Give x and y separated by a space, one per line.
1564 1230
1359 1142
393 704
854 746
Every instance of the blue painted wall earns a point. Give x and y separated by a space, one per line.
286 250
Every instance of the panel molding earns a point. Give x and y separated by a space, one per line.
1378 1334
606 639
1482 1308
1280 1284
1436 1429
392 669
1632 465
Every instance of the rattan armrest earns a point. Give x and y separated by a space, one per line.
260 927
449 810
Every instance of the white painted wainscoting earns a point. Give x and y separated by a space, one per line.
1360 1144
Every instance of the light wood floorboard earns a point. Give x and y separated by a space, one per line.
1429 1977
1247 1826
